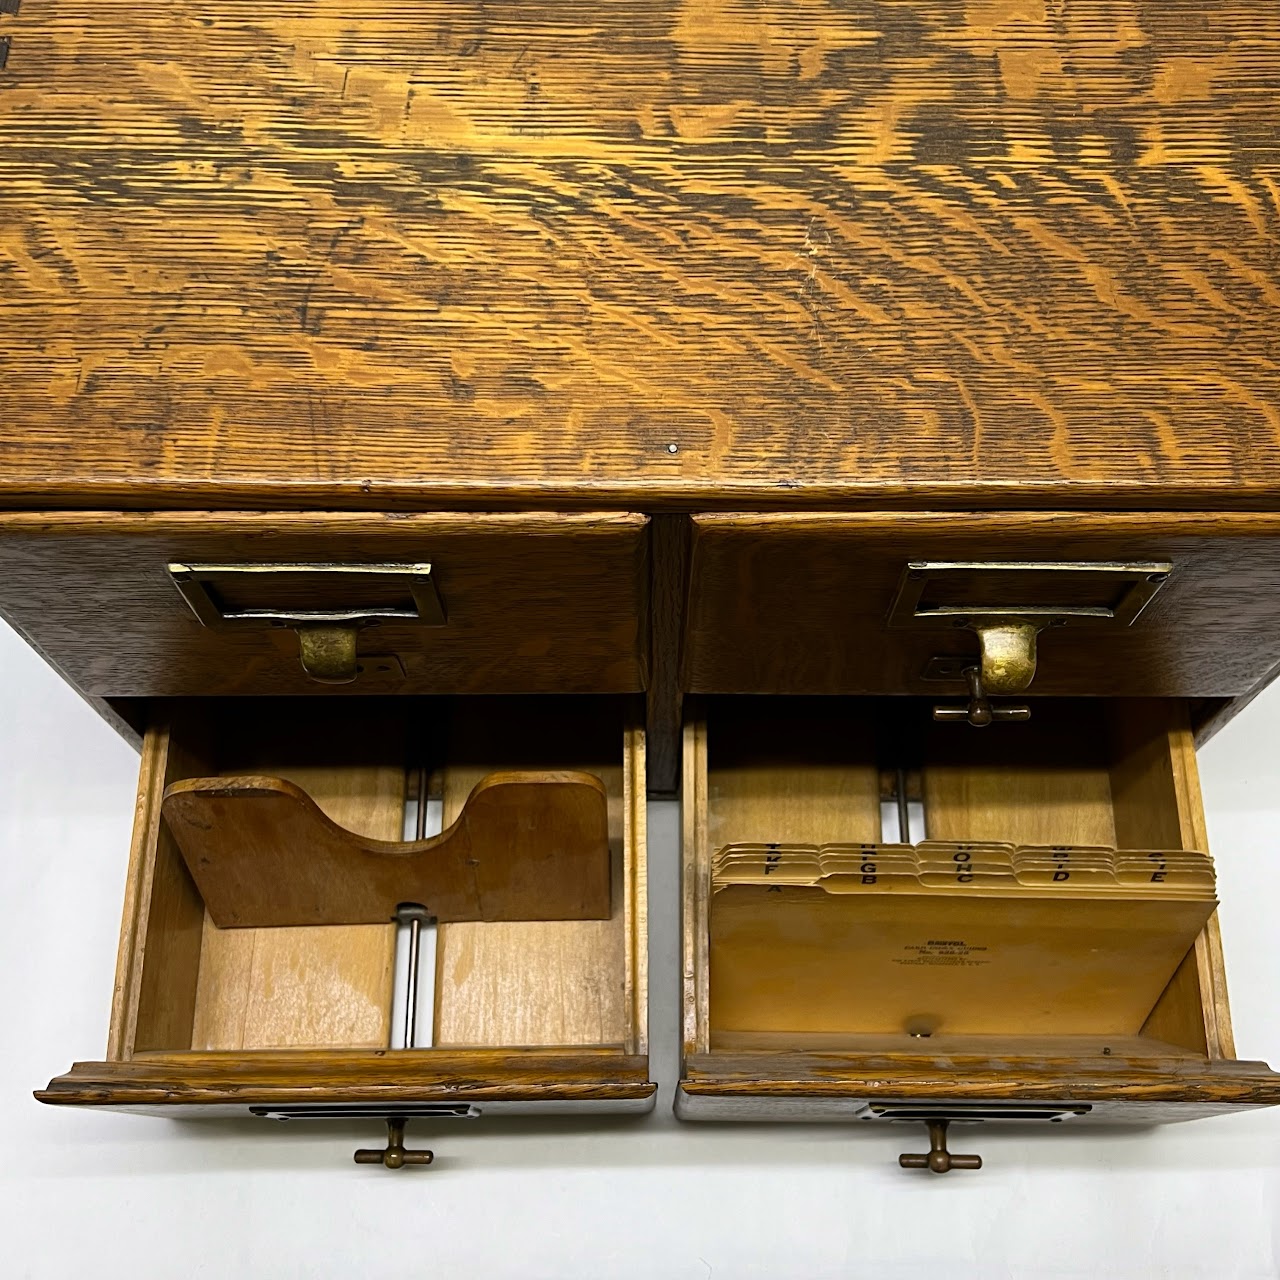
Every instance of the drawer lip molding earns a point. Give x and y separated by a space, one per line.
374 1076
1239 1083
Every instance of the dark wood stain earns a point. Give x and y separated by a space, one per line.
669 556
799 603
535 602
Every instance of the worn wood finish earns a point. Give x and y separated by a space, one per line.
301 1014
387 1076
969 1077
552 982
526 846
312 253
127 716
534 603
800 603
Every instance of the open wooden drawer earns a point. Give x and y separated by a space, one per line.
529 1016
820 771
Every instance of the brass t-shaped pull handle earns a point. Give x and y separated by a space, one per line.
939 1159
394 1156
981 711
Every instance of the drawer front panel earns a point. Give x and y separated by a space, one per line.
510 603
1124 605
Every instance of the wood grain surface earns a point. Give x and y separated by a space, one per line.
548 603
312 987
526 846
162 927
966 1077
374 1076
669 538
366 253
800 603
548 982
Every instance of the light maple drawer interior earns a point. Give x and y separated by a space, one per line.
548 1000
798 992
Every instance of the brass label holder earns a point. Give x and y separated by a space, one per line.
1008 634
326 637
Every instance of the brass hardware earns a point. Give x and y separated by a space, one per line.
938 1159
394 1156
1008 650
326 637
981 711
1007 633
328 653
1140 582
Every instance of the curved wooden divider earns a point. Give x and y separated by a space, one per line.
527 846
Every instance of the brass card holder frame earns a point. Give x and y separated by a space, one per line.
326 637
1008 634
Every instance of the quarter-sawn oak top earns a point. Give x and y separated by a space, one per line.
398 253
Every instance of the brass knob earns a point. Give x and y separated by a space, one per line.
328 652
394 1156
981 711
938 1159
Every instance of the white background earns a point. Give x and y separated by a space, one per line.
88 1194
